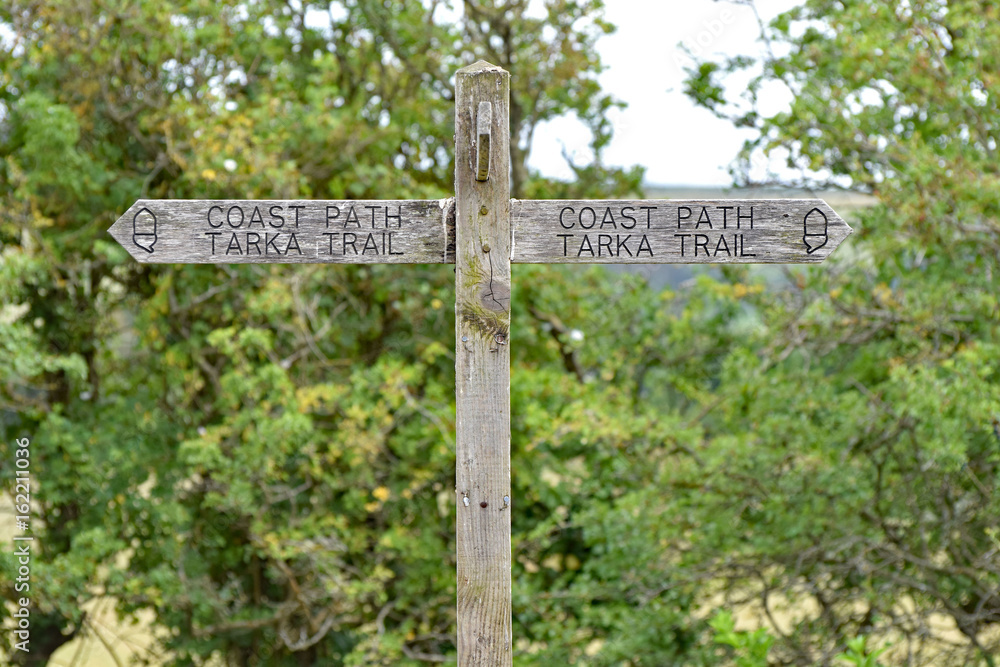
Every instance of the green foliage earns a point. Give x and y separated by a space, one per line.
854 433
750 648
857 654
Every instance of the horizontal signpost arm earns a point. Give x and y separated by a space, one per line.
673 231
226 231
650 231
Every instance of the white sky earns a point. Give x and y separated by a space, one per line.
678 143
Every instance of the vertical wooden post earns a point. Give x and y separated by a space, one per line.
482 364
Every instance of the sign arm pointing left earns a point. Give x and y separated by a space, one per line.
206 231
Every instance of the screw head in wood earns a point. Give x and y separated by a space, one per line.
483 504
486 247
483 210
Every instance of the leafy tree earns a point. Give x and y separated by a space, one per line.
259 455
556 65
853 458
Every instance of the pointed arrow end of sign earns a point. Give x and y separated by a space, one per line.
823 230
136 231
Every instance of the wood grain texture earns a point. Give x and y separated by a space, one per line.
482 370
190 231
671 231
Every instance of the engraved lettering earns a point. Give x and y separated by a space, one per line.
621 243
351 241
681 217
565 238
209 217
703 219
253 239
649 212
398 217
269 243
604 241
213 235
725 215
608 219
722 245
628 217
256 217
276 216
390 246
700 241
352 216
229 217
330 218
644 245
562 223
682 237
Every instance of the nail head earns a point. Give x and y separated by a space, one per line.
483 504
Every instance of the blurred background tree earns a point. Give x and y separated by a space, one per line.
855 440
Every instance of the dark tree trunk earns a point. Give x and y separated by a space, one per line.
518 155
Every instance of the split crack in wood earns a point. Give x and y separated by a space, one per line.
492 294
499 336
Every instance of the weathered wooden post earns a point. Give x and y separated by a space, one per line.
482 364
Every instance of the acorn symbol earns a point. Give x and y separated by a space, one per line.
144 229
814 230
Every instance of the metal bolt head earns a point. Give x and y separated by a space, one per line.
483 210
486 247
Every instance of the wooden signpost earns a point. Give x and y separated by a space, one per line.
482 231
191 231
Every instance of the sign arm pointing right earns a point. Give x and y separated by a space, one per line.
673 231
